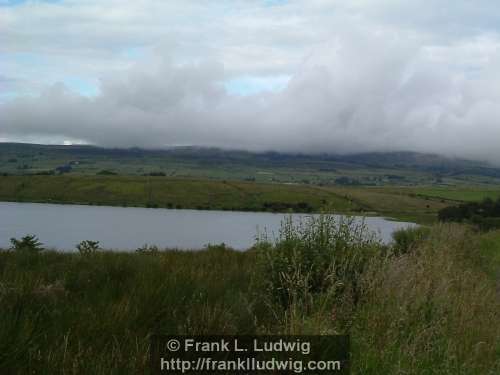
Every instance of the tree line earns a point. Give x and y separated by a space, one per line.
485 214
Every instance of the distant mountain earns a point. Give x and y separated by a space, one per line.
419 161
213 157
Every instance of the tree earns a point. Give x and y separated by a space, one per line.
88 247
28 243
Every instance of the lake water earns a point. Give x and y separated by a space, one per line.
63 226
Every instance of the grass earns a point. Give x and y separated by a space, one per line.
413 204
460 194
92 314
433 309
167 192
373 169
490 254
393 202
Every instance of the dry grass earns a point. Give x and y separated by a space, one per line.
431 311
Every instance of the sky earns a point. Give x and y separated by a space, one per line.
306 76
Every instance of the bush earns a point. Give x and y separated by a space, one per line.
315 256
217 248
486 223
106 172
28 243
88 247
147 249
285 206
485 214
408 238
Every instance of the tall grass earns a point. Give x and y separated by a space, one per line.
312 269
428 310
66 312
422 306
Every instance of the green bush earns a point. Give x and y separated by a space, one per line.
88 247
315 256
148 249
408 238
218 248
28 243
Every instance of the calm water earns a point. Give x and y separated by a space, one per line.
63 226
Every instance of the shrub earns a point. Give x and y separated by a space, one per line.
485 214
314 256
222 247
106 172
88 247
408 238
28 243
148 249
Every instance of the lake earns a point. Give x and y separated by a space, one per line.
125 228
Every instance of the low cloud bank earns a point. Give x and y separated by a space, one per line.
365 89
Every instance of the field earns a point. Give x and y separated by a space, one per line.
406 186
418 204
217 195
424 306
462 194
169 193
370 169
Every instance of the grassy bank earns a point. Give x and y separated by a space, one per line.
428 305
169 193
402 203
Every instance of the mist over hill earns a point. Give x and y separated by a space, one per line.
22 158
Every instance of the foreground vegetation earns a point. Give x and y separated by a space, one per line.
425 305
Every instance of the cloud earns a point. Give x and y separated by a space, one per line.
317 76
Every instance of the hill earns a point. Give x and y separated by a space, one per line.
372 169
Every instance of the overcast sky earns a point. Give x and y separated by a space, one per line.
298 75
